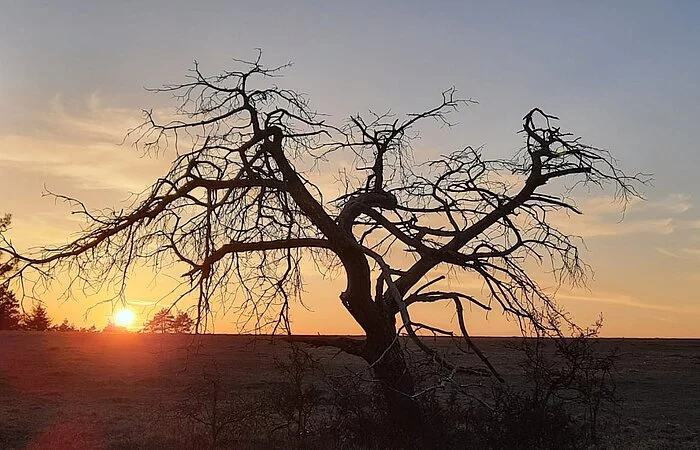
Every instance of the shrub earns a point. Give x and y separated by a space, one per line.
212 415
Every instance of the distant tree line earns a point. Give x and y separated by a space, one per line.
37 319
163 321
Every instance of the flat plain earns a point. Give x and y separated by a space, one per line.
99 390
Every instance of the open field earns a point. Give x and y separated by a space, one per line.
108 390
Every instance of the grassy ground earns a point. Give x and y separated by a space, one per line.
84 390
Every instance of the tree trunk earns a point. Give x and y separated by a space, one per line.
382 351
385 355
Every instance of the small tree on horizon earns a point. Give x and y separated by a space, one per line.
162 322
182 323
10 314
38 319
64 326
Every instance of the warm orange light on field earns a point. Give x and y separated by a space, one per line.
124 317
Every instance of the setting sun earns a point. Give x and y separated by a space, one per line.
124 317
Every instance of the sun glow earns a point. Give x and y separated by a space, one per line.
124 317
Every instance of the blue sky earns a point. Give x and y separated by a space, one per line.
621 74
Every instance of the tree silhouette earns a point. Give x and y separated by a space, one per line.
162 322
182 323
38 319
238 208
64 326
10 315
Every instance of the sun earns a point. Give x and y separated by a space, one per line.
124 317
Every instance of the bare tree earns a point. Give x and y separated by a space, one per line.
239 209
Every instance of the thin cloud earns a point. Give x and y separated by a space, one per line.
599 227
616 299
604 216
141 302
676 203
669 253
82 145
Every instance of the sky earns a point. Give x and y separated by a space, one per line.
621 74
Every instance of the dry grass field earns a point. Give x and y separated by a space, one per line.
83 390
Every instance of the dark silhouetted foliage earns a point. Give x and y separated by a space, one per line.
64 326
10 315
164 321
37 320
182 323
